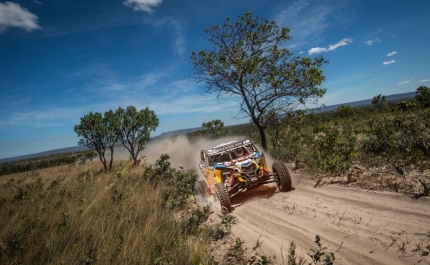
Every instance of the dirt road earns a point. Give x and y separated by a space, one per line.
361 227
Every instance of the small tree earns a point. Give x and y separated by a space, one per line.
215 127
423 96
98 135
379 101
134 128
249 61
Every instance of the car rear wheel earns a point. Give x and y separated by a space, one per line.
283 176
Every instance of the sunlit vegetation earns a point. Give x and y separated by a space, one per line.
75 212
385 138
45 162
395 133
78 214
147 214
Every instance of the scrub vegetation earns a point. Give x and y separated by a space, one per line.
146 214
383 146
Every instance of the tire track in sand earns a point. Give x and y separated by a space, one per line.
363 227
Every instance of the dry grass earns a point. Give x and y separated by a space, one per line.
77 214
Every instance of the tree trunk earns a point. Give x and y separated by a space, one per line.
134 156
275 137
103 159
111 157
263 138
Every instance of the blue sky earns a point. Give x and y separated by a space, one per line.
62 59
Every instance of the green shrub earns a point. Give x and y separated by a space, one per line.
345 111
406 105
321 127
180 184
334 150
380 138
423 96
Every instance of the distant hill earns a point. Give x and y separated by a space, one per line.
366 102
361 103
46 153
177 132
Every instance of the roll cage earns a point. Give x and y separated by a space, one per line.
227 152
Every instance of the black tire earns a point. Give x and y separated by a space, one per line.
203 188
223 197
283 176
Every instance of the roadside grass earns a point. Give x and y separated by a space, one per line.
78 214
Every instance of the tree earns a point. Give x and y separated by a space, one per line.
379 101
249 61
423 96
215 127
134 128
98 134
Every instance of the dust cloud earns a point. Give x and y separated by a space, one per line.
182 152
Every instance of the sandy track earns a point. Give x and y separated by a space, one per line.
361 227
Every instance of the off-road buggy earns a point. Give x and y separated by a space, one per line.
238 166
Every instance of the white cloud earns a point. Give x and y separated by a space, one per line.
425 80
404 82
46 117
391 53
13 15
177 32
331 47
149 80
308 20
142 5
389 62
371 42
317 50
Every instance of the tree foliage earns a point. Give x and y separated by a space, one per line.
97 134
249 60
216 128
129 126
134 128
423 96
379 101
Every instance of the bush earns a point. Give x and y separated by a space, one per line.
423 96
380 138
406 105
404 139
334 150
180 183
345 111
